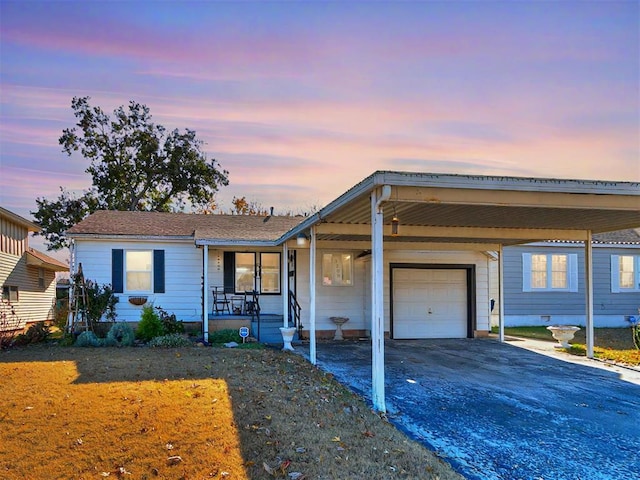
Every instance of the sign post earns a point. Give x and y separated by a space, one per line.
244 333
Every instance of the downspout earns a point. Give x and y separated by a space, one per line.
72 269
377 297
285 285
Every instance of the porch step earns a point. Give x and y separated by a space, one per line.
269 329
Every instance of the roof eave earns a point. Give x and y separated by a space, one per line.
99 236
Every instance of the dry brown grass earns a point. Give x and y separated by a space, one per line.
122 413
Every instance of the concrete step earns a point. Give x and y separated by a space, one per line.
269 330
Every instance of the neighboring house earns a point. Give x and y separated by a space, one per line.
404 255
545 281
27 276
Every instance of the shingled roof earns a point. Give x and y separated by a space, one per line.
621 237
184 225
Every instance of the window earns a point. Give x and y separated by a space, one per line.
625 273
245 272
41 277
10 293
337 269
269 273
138 270
549 272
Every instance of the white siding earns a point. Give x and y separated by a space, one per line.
183 276
354 301
35 303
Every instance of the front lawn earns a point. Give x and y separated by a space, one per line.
191 413
613 344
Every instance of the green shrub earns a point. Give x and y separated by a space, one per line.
169 322
120 335
170 341
225 336
150 325
36 333
88 339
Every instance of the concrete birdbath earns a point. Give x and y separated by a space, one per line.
339 321
287 337
563 334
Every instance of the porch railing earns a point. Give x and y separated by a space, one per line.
295 312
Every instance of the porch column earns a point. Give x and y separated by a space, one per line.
588 292
312 296
377 298
500 295
285 285
205 293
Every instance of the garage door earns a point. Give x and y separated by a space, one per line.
429 303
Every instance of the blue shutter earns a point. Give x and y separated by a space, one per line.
573 272
117 270
615 274
158 271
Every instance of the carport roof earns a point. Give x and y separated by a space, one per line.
479 209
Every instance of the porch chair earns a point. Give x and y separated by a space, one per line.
220 301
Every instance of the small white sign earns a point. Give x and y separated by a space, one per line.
244 333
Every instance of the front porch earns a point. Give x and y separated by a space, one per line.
265 328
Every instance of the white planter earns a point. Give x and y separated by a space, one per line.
287 337
563 334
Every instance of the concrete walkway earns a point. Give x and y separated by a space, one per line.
517 410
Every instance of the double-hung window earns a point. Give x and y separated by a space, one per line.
138 270
549 272
10 293
625 273
337 269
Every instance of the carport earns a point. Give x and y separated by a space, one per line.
400 211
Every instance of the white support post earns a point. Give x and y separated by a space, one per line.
588 292
205 293
377 301
312 296
500 294
285 285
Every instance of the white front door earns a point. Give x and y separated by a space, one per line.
429 303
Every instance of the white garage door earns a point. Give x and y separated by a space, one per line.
429 303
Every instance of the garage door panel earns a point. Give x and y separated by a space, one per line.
429 303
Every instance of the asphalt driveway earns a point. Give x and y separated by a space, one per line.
495 411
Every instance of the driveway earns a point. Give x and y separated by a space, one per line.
495 411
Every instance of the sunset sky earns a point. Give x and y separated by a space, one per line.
301 100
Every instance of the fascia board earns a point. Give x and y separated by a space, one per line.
236 243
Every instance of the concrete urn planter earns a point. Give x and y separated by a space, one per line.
563 334
287 337
339 321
